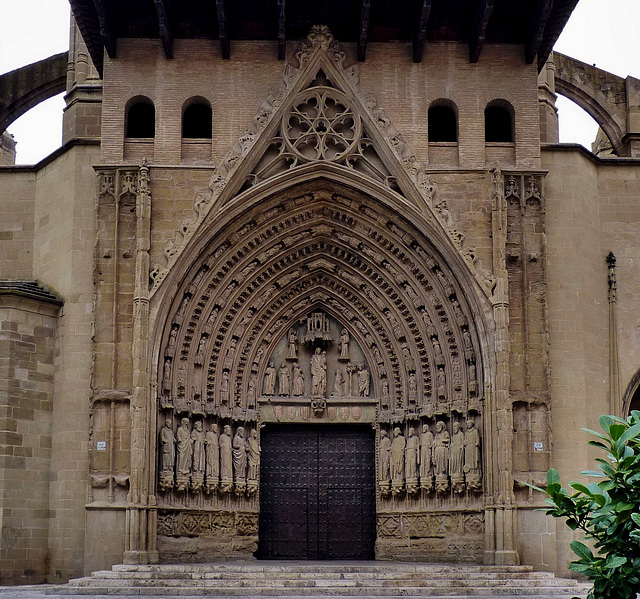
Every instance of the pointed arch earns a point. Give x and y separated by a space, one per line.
318 103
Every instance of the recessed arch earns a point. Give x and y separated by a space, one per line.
499 122
140 118
197 119
631 398
300 247
442 121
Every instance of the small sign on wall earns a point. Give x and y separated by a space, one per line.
101 445
537 446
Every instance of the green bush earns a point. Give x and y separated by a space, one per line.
608 511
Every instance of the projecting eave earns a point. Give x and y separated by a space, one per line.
535 24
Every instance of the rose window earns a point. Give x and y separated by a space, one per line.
321 126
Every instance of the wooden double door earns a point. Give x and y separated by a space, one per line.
317 492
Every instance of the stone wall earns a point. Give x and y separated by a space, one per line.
63 259
27 334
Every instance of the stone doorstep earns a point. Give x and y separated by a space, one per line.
441 584
383 575
311 566
556 593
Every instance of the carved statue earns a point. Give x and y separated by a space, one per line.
426 449
212 449
239 461
441 456
167 455
468 344
185 455
293 345
199 457
473 381
284 381
298 380
319 372
226 460
456 459
363 381
408 359
228 360
384 474
170 350
253 460
472 460
224 388
343 344
251 392
411 461
199 357
339 383
442 383
413 388
166 376
397 461
437 350
269 384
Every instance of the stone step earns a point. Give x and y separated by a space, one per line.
298 566
383 575
324 579
373 591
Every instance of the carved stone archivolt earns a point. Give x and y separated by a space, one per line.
319 308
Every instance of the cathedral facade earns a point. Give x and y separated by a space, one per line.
273 300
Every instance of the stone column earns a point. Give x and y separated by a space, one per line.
502 423
140 512
547 103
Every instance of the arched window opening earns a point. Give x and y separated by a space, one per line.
498 124
442 124
196 121
141 120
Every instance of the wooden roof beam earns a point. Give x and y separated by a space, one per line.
479 29
282 33
364 29
536 30
223 34
106 31
163 9
420 37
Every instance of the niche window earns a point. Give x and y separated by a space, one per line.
442 124
141 120
196 121
498 124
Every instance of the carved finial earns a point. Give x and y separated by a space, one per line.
611 260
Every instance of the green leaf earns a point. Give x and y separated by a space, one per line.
615 561
552 476
636 518
580 487
581 550
597 473
605 422
631 433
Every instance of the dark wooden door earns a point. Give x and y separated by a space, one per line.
317 492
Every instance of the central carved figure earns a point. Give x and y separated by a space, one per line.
319 372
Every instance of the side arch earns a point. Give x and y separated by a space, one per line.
26 87
601 94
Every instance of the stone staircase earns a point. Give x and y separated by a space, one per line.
325 579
